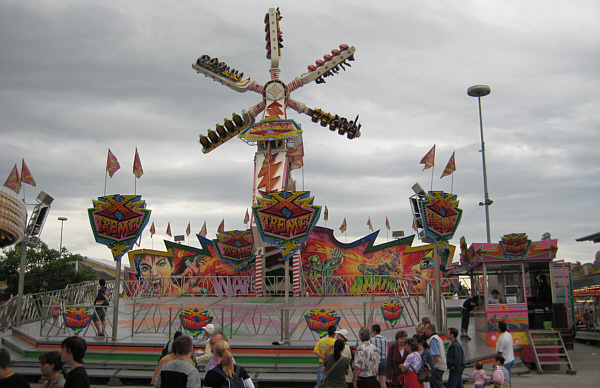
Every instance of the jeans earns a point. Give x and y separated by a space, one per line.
367 382
437 378
464 323
455 379
509 365
320 375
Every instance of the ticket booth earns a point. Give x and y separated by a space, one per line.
514 281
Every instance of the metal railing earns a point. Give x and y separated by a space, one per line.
432 303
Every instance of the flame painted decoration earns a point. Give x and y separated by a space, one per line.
441 215
320 320
194 320
286 219
77 318
235 247
392 311
118 220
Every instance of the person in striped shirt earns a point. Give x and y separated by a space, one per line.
381 344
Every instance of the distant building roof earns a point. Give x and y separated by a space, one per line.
595 237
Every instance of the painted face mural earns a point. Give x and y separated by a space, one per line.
156 271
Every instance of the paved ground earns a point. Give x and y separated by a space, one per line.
585 359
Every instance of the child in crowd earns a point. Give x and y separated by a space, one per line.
500 377
479 375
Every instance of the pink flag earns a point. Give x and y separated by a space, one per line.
152 230
13 181
26 174
137 165
221 228
387 223
169 230
343 227
429 159
203 230
370 224
246 217
188 230
112 164
326 214
450 166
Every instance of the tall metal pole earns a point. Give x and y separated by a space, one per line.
481 91
438 287
62 222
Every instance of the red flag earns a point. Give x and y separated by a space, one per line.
450 167
112 164
246 217
343 227
188 230
326 214
169 229
429 159
370 224
137 165
26 174
203 230
296 157
13 181
152 230
221 227
387 223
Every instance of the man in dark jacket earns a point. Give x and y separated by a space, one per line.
455 360
465 311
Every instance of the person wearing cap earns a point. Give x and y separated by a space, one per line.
347 352
207 355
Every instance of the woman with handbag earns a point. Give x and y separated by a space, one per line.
397 353
411 366
336 367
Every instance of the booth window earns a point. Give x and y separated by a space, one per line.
505 284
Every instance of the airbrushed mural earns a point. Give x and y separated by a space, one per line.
332 267
185 270
327 265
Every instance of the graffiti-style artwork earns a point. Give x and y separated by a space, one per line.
77 318
270 129
286 219
441 215
392 311
515 245
360 267
117 221
235 247
320 320
194 320
522 249
185 270
514 321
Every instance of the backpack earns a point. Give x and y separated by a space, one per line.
231 382
424 374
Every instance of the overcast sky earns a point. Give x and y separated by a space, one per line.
79 77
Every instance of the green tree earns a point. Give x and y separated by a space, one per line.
45 270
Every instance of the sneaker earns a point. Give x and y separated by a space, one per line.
101 335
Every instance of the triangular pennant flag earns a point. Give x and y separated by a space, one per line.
450 166
152 230
296 157
13 181
26 174
221 228
246 217
169 229
343 227
429 159
370 225
203 230
137 165
326 214
112 164
387 223
188 230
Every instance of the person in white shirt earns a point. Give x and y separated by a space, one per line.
504 346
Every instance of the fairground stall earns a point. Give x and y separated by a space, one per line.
520 283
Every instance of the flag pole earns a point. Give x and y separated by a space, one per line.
105 178
432 169
452 184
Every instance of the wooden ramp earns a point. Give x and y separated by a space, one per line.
549 349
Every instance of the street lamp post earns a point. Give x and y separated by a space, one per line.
482 91
62 222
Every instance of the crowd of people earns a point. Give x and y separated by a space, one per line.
416 362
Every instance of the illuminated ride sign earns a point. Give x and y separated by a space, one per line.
286 219
515 245
270 129
77 318
194 320
235 247
118 220
392 311
320 320
441 215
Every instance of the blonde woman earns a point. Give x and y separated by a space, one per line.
226 370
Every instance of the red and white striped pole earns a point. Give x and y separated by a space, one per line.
258 275
297 264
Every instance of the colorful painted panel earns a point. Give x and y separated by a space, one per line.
320 320
535 250
392 311
194 320
270 130
515 245
441 215
286 219
360 267
77 318
515 320
117 221
235 247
